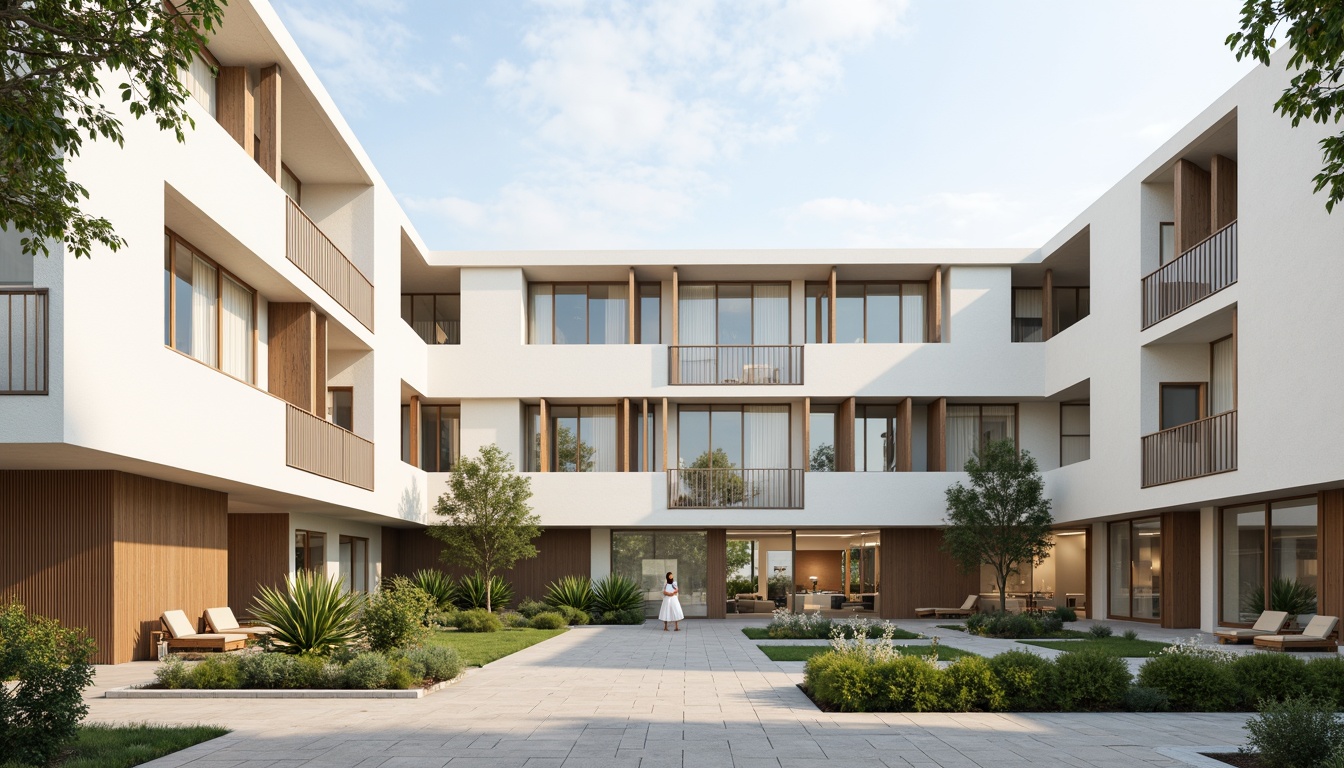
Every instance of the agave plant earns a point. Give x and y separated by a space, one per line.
471 592
438 584
314 615
1288 595
573 591
617 593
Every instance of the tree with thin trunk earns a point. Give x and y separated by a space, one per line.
487 523
1003 519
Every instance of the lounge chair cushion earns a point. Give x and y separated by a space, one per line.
178 624
220 619
213 636
1271 621
1319 627
1224 632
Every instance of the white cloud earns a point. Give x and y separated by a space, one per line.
960 219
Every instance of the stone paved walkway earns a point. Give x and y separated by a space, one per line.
636 696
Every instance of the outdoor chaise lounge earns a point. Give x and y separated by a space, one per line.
222 620
966 609
1269 623
1315 637
182 636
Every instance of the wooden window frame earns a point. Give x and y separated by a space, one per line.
1267 506
587 336
900 311
1012 330
980 421
1063 434
1212 344
307 547
342 539
284 169
331 407
1202 386
1129 522
174 240
437 408
753 283
859 410
436 297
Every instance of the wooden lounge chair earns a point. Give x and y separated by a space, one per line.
222 620
966 609
1315 637
1269 623
183 636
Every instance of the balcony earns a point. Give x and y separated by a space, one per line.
24 341
318 446
319 258
1200 448
709 364
734 488
1205 269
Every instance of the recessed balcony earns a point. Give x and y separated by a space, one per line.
721 364
318 446
1200 448
1201 271
319 258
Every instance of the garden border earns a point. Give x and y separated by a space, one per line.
133 692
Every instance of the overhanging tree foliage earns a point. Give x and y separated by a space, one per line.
488 525
51 55
1314 30
1003 519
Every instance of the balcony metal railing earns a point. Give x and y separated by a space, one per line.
1197 449
734 488
318 446
319 258
24 341
710 364
1203 270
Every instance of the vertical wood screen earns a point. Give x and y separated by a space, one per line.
318 446
319 258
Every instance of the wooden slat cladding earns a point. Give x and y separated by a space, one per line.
24 341
1223 191
716 563
1180 569
318 446
234 110
268 121
171 551
1330 552
1192 205
319 258
560 552
259 555
844 436
914 572
290 352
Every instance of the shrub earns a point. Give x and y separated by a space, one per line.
1065 613
314 615
172 672
842 681
1090 680
1130 635
215 672
400 675
573 616
1327 679
445 618
1100 631
1141 699
367 671
1271 676
1298 732
742 585
434 662
627 616
549 620
1050 623
1191 682
1004 625
969 685
478 620
908 684
471 592
787 625
513 619
617 593
395 615
571 592
318 673
438 585
530 607
1027 680
50 663
268 670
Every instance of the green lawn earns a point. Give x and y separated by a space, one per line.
481 648
805 652
122 746
760 633
1115 646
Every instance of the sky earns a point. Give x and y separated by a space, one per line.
569 124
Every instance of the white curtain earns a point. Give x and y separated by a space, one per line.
540 322
912 312
1224 374
597 428
236 353
696 315
770 314
766 437
962 435
1027 315
204 294
201 82
617 312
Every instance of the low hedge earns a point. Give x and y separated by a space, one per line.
403 668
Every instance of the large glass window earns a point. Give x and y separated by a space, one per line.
880 313
751 437
355 563
1075 433
821 435
1287 530
1135 569
202 79
647 556
208 313
817 307
310 551
582 438
436 317
341 407
1071 305
1222 376
1028 311
875 443
1181 404
733 314
650 316
440 436
971 427
1166 242
578 313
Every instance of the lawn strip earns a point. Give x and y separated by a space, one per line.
481 648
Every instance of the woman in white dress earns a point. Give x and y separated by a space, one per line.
671 610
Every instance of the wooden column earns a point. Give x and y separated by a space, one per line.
1330 552
716 563
645 442
905 459
235 105
1223 191
1048 305
1087 583
936 306
1192 205
296 352
676 290
625 434
844 436
807 434
414 430
938 436
544 427
320 367
1180 569
664 434
830 333
631 302
268 114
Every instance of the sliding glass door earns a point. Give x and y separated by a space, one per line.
1135 568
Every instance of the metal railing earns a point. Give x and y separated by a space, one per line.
319 258
25 341
734 488
711 364
1197 449
318 446
1203 270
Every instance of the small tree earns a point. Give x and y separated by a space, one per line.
714 489
823 458
1003 519
738 557
488 524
